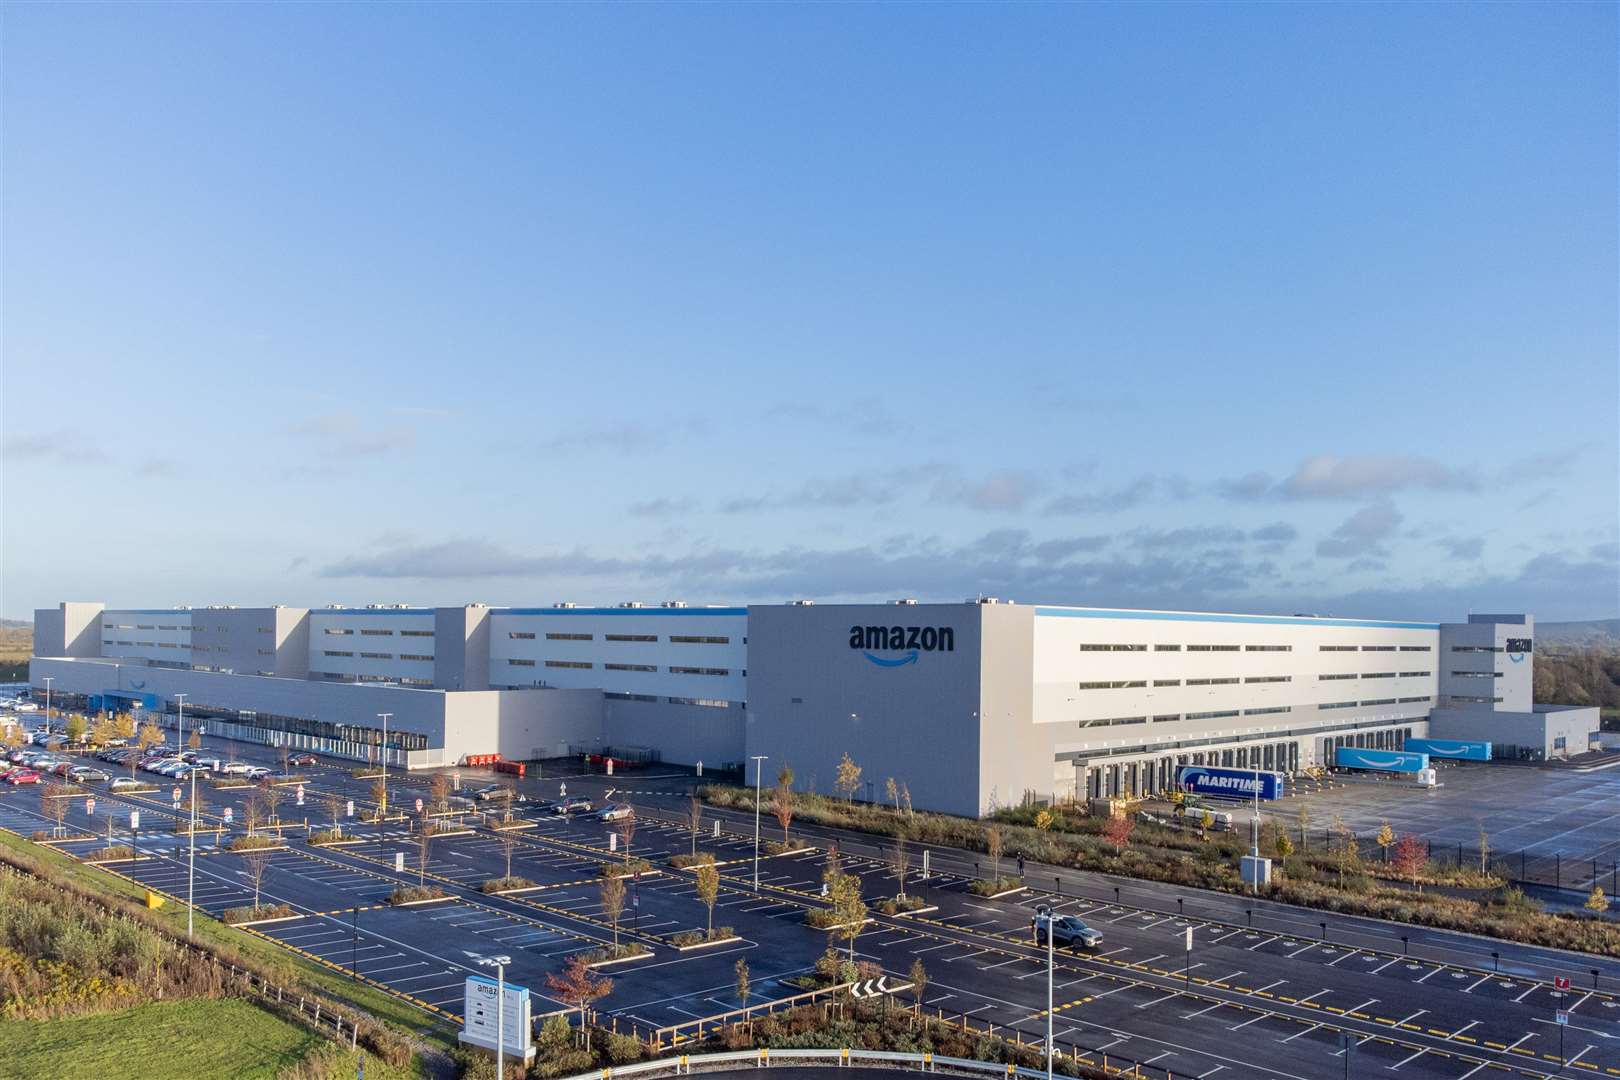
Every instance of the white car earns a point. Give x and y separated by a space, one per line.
234 768
616 813
26 706
256 772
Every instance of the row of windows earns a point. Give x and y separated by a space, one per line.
585 665
1476 674
1222 714
1467 699
1133 684
1475 648
1189 648
678 639
1211 682
711 703
144 644
1373 648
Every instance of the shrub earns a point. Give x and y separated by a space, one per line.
622 951
637 865
253 914
623 1049
990 887
688 938
776 847
326 836
555 1034
253 843
686 861
895 906
406 894
503 883
115 851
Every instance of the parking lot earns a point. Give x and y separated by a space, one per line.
1273 1001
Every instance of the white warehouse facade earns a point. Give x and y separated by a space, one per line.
966 706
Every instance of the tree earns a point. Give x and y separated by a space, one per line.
257 862
194 741
919 981
708 887
195 806
1384 839
272 797
12 736
439 792
694 819
893 792
905 798
151 735
424 842
252 814
508 844
335 805
613 903
1206 822
848 777
1285 846
1349 850
284 753
53 799
743 982
75 729
1484 847
1117 831
849 910
1411 855
576 987
379 795
1304 827
124 726
1597 903
782 800
992 847
626 828
902 862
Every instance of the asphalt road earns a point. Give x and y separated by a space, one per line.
1271 1000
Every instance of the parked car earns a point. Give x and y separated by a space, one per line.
61 768
22 776
85 774
257 772
26 706
576 805
208 764
495 791
122 783
234 768
1066 930
616 812
301 760
14 755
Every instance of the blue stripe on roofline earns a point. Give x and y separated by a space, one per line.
336 612
620 611
1272 620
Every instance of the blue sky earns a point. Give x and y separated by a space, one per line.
1269 307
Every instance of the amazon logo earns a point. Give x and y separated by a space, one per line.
910 641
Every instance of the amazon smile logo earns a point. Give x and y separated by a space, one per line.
910 641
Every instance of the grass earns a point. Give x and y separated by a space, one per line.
384 1007
167 1039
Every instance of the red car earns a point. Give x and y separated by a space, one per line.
22 776
301 759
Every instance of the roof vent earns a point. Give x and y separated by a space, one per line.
565 604
801 603
632 604
982 600
673 603
907 601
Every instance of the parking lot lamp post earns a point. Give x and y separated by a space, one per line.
180 713
499 964
1050 938
191 857
1254 826
759 778
383 753
48 680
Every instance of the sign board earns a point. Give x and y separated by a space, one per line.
418 806
1189 939
175 794
1231 783
89 806
134 819
613 841
350 808
1560 982
1562 1017
229 815
1457 749
399 862
481 1024
300 794
1355 757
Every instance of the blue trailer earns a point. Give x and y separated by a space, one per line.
1229 783
1458 749
1401 761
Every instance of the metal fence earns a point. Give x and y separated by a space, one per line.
1521 867
1090 1063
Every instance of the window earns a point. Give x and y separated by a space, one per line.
515 662
630 637
1267 712
1470 700
146 626
1338 705
1117 685
631 667
1330 678
1167 648
1270 678
1454 648
630 697
1416 674
577 664
262 629
415 656
337 631
377 633
1476 674
171 645
1166 682
1212 648
565 637
416 633
1113 648
699 671
1114 721
1268 648
1378 675
711 703
338 652
1337 648
1166 717
518 635
1409 700
695 639
1380 701
168 628
376 656
1220 714
1378 648
1210 682
1414 648
262 652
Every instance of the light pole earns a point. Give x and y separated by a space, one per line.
191 856
384 754
759 779
48 680
499 964
1254 826
180 723
1050 938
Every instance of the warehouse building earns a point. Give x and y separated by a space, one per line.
964 706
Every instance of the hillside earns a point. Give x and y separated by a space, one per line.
1592 632
16 645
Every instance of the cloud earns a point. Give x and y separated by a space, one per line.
1279 533
1464 547
1362 533
862 416
1327 476
1540 467
51 447
662 507
1004 490
296 563
346 434
839 493
1204 536
1133 494
462 559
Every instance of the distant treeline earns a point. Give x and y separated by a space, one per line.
1571 675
